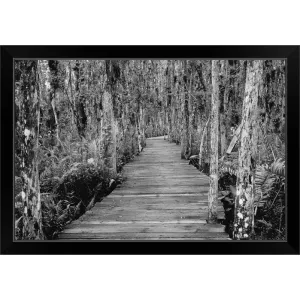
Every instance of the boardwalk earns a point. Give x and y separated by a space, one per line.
163 198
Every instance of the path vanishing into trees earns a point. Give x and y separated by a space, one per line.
162 198
79 121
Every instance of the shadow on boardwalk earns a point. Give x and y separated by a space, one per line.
163 198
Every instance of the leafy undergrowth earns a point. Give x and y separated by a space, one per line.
269 203
68 190
270 188
269 222
71 196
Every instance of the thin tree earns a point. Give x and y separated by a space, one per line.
202 141
244 212
214 119
184 113
29 123
223 108
108 136
54 85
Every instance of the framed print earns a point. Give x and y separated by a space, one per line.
149 149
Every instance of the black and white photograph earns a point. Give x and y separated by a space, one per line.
150 149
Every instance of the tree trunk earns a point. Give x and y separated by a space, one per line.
244 212
185 117
223 110
177 119
53 66
202 141
213 176
80 115
109 135
30 115
183 129
142 127
191 116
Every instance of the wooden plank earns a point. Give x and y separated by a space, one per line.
121 223
155 182
137 176
161 190
156 208
201 194
140 185
160 170
154 203
146 236
146 216
137 239
160 195
175 181
163 165
164 168
154 172
87 227
151 212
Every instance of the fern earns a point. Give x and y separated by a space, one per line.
271 147
228 169
265 179
229 165
278 167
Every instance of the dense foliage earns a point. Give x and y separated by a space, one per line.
77 122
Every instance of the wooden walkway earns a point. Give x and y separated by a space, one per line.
163 198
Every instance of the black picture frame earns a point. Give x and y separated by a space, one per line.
9 246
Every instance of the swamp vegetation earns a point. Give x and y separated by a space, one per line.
78 122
